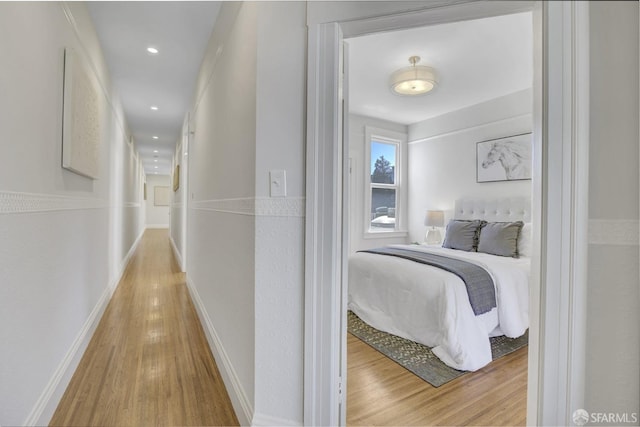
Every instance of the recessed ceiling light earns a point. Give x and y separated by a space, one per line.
155 167
154 137
154 107
155 151
155 160
152 50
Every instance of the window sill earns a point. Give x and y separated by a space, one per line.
385 234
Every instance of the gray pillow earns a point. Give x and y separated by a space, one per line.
462 235
500 238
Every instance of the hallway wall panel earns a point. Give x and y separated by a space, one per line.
64 237
245 248
221 232
279 246
613 338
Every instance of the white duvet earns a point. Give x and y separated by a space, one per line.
430 306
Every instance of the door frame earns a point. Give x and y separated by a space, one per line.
560 194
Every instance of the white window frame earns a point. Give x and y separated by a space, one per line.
373 134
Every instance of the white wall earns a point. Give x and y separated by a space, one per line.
64 237
279 221
246 248
357 153
178 225
221 233
613 337
157 216
442 156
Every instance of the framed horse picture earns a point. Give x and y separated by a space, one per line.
504 159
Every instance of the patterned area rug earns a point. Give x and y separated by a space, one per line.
418 358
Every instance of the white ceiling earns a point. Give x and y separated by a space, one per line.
180 31
475 60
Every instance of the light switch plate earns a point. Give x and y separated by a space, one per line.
278 183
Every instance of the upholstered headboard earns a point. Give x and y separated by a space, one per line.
507 209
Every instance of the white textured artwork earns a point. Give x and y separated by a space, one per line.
504 159
81 117
161 196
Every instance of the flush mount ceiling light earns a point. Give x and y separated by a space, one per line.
413 80
154 137
152 50
154 107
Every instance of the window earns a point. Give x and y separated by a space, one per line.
383 182
383 178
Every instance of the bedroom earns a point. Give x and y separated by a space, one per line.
484 70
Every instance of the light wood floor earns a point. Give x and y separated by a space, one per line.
148 362
381 392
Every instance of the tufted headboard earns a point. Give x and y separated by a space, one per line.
507 209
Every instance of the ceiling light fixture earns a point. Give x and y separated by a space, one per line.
154 137
155 151
152 50
413 80
154 108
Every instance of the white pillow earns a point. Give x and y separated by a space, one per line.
524 241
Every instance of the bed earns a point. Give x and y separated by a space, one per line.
429 305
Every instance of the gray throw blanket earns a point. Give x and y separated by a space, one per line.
480 287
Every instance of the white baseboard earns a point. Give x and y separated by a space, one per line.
239 400
126 259
261 420
48 401
157 226
176 253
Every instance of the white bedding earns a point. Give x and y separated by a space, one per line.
430 306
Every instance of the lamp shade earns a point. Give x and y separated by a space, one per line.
434 219
413 80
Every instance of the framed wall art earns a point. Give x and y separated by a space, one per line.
176 178
81 120
161 196
504 159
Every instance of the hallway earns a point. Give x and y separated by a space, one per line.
148 362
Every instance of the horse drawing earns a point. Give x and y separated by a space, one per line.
514 156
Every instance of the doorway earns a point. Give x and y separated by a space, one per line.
442 129
561 39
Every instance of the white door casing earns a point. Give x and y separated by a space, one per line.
556 349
